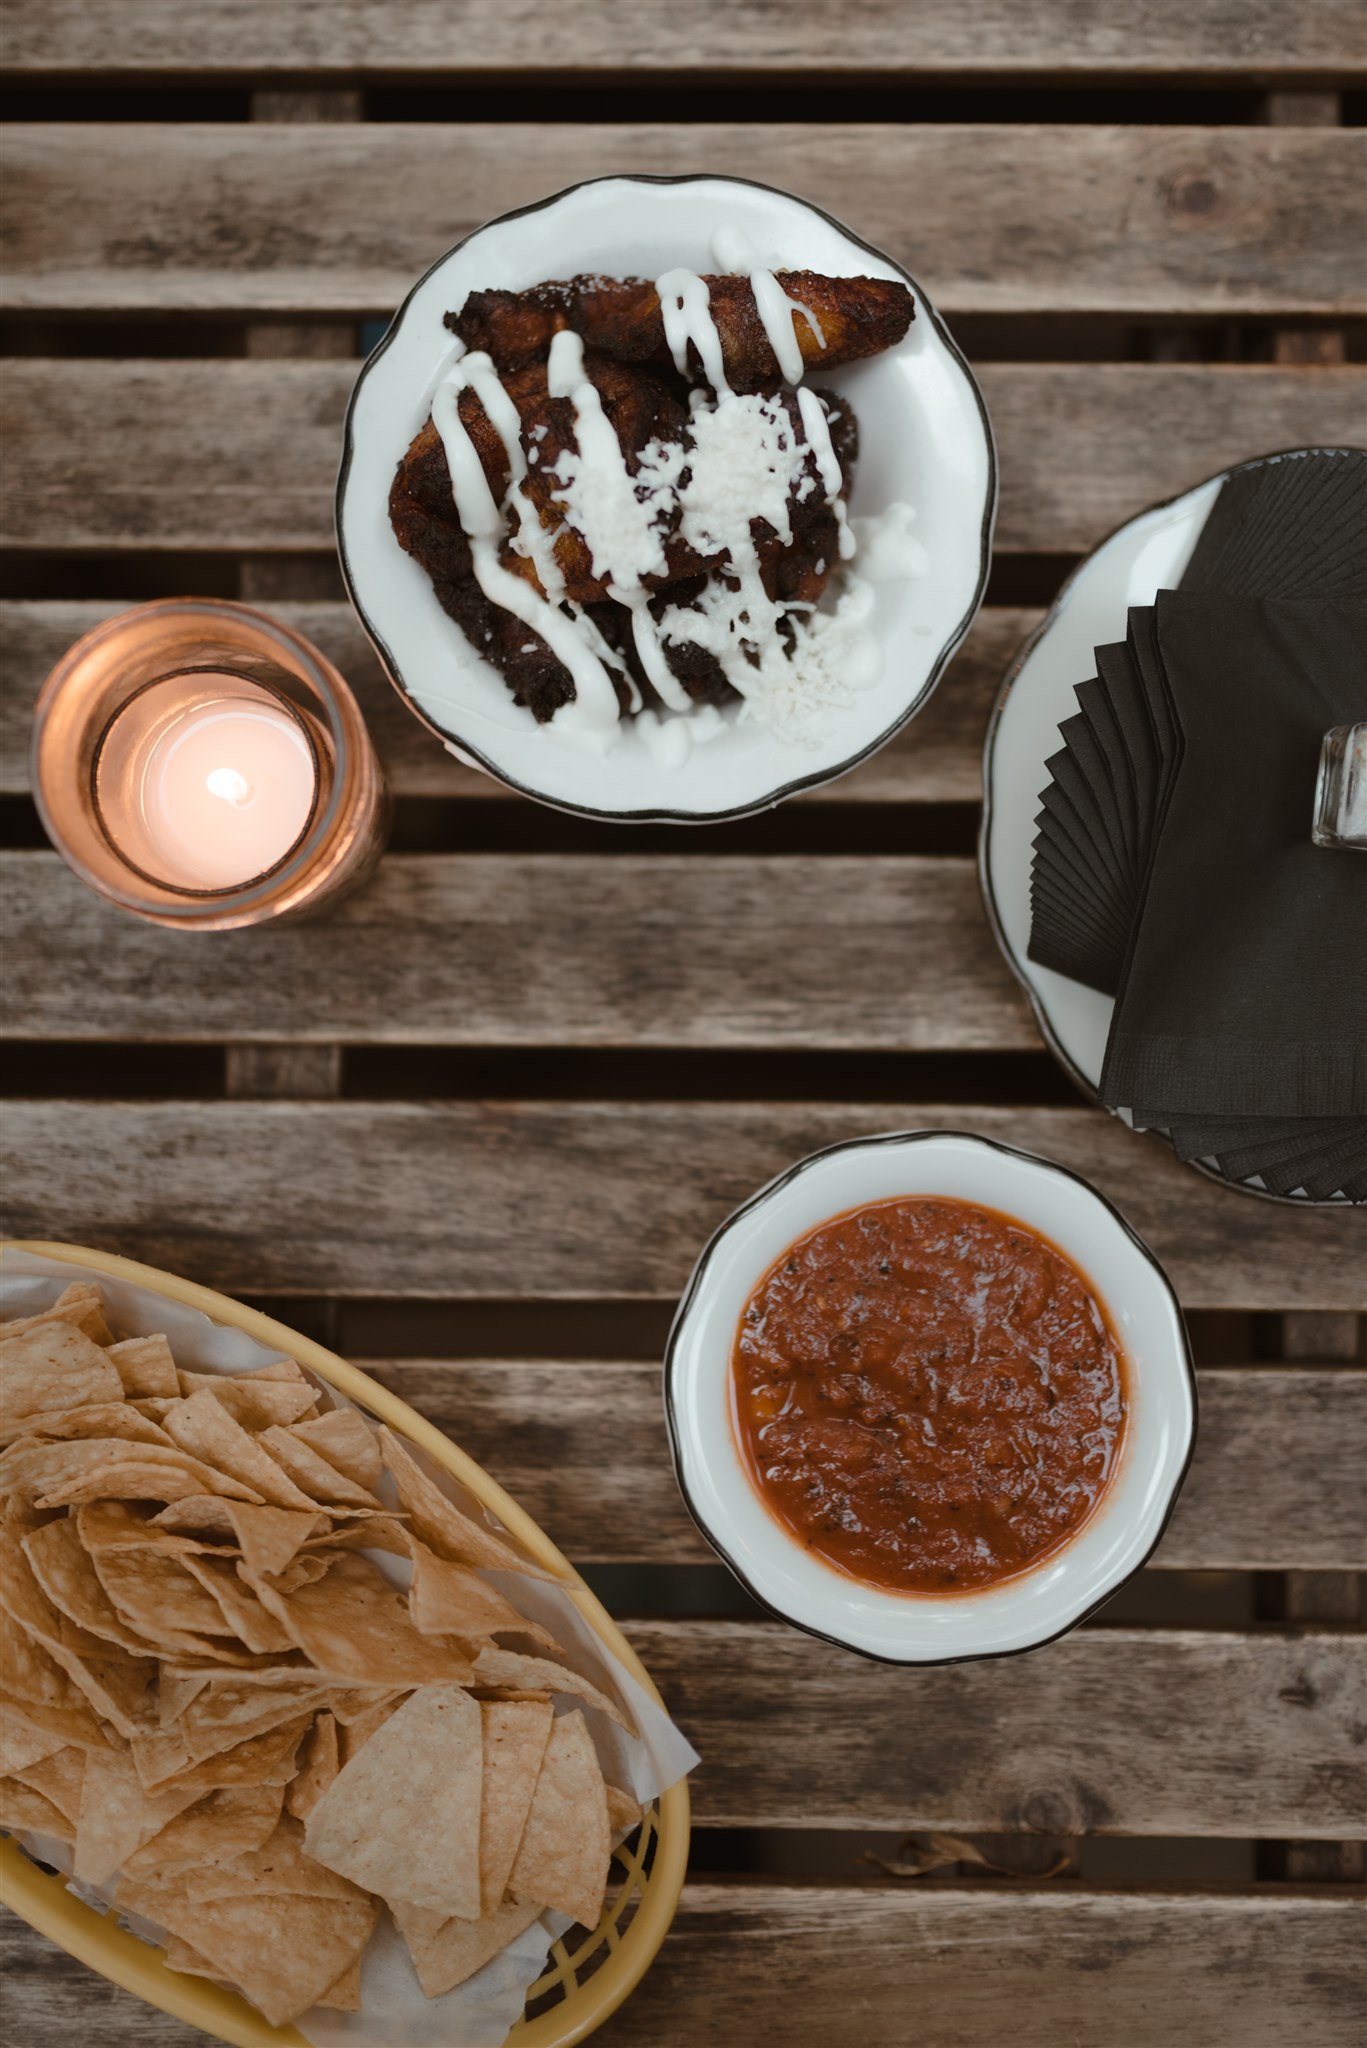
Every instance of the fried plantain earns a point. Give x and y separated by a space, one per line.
622 318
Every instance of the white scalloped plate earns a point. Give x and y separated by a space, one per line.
926 439
1148 554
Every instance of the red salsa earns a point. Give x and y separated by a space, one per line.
928 1395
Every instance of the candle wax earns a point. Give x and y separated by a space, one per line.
218 781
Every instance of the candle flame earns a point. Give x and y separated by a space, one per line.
227 783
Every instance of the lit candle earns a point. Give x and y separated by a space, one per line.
207 768
205 781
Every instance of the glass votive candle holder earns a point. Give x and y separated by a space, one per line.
204 767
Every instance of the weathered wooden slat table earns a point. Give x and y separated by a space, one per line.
473 1129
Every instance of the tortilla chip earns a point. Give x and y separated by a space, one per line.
449 1599
280 1868
81 1303
76 1725
175 1692
267 1537
355 1730
243 1614
96 1468
345 1994
250 1398
49 1367
156 1595
354 1624
202 1426
59 1778
304 1570
118 1687
280 1369
145 1366
562 1859
312 1472
440 1523
102 1419
66 1572
117 1525
118 1815
159 1755
283 1954
346 1440
402 1818
320 1765
514 1736
624 1812
214 1830
262 1760
224 1715
38 1693
446 1952
22 1745
365 1530
21 1808
510 1668
178 1955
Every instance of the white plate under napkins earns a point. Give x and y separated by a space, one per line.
925 440
1148 554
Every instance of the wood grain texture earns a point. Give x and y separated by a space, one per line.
1274 1482
124 456
937 759
587 949
369 39
563 1200
315 219
820 1967
817 1968
1110 1731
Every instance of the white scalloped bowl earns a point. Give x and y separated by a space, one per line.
925 436
922 1628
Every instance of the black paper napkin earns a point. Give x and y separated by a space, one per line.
1246 988
1295 526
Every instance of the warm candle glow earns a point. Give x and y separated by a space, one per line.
206 781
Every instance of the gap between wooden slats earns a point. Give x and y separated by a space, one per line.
308 210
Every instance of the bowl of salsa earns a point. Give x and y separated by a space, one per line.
930 1397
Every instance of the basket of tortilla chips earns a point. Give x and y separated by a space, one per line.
307 1733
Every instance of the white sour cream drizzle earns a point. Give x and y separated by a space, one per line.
744 461
592 714
732 250
685 304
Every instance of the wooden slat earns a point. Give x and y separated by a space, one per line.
544 950
820 1967
566 1200
1110 1731
938 759
243 455
369 39
1274 1483
307 219
1090 1735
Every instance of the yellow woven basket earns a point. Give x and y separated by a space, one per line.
587 1975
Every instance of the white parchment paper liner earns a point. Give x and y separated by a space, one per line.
394 2013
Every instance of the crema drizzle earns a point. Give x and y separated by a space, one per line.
743 461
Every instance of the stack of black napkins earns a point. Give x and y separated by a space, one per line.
1174 867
